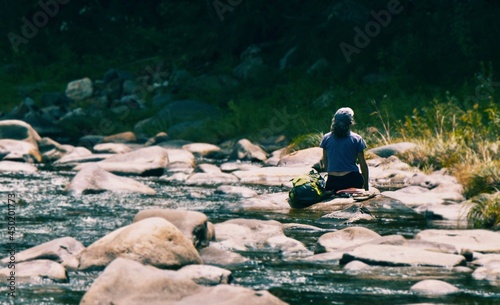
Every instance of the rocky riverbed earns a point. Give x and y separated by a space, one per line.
175 222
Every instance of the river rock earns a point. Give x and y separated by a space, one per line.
77 155
233 166
354 267
206 275
15 167
157 139
111 148
92 178
391 255
211 179
20 151
181 156
433 287
472 240
37 270
276 202
302 158
271 175
288 247
246 150
489 271
124 137
353 214
128 282
61 250
202 149
207 168
20 131
194 225
345 238
235 191
392 149
245 234
52 150
149 161
79 89
219 257
152 241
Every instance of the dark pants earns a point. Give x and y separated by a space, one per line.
337 183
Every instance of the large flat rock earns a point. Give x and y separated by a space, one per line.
475 240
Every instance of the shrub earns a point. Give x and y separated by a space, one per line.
485 211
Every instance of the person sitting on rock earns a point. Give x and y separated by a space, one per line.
341 148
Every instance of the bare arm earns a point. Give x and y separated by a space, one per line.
324 161
364 169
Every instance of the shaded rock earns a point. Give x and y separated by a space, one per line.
20 131
206 275
37 270
52 150
14 167
55 99
129 282
124 137
433 287
158 138
345 238
392 149
79 89
214 256
62 250
202 149
390 255
473 240
149 161
20 151
194 225
356 213
111 148
235 191
246 150
89 141
92 178
211 179
152 241
271 175
302 158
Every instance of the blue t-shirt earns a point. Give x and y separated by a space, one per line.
342 152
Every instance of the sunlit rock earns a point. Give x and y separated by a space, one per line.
123 137
194 225
20 131
235 191
433 287
61 250
271 175
15 150
355 267
473 240
211 179
345 238
128 282
37 270
92 178
206 275
393 255
219 257
111 148
152 241
302 158
246 150
202 149
15 167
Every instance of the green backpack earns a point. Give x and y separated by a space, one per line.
307 190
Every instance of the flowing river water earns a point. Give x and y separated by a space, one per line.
45 212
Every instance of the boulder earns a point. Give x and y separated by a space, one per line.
233 166
211 179
79 89
246 150
63 250
288 247
489 271
194 225
77 155
356 213
235 191
472 240
394 255
152 241
271 175
128 282
92 178
20 151
207 168
157 139
354 267
124 137
345 238
302 158
433 287
219 257
181 156
392 149
20 131
111 148
37 270
206 275
202 149
15 167
52 150
149 161
276 202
